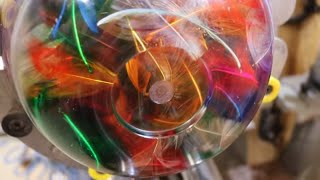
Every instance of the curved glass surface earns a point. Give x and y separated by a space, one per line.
141 87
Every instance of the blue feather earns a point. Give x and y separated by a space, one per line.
56 27
89 14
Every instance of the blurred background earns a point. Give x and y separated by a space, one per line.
282 142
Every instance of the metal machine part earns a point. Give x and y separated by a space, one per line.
5 99
299 96
270 125
17 124
303 146
306 104
293 123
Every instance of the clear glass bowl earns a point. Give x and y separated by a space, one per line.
139 87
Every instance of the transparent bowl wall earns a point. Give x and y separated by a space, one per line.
141 88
